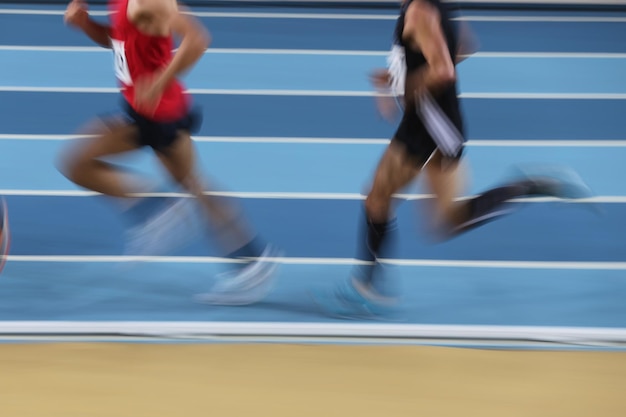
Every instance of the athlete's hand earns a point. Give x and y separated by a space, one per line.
76 14
380 78
387 107
148 93
386 104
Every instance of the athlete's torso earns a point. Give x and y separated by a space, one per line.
137 55
414 59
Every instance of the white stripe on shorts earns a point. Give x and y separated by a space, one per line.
446 136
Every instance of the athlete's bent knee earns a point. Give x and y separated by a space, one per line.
377 206
193 184
68 165
73 165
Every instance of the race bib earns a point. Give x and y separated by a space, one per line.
397 69
120 63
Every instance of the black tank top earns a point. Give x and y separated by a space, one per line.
414 59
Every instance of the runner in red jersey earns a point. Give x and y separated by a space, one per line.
139 54
159 114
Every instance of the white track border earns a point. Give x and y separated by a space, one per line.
315 330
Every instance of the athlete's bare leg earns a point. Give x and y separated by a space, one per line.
82 162
226 220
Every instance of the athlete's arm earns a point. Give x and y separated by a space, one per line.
194 38
76 15
422 28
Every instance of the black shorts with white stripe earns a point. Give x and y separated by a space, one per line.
418 143
427 128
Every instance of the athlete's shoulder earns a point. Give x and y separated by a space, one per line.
157 7
423 16
421 10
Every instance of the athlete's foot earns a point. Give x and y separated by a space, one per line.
555 181
353 300
247 286
169 227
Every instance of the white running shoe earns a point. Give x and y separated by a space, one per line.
246 286
166 231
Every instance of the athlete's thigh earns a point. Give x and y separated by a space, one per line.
103 138
396 169
407 153
179 159
447 180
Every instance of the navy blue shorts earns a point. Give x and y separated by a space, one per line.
161 135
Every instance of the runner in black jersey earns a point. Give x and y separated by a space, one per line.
422 76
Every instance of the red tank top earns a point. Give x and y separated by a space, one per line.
137 54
